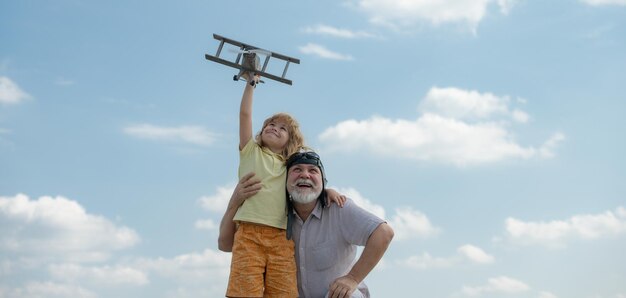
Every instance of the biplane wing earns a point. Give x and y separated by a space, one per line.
244 48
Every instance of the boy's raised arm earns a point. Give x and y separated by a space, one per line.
245 116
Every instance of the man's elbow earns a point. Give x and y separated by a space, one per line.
224 245
381 236
386 233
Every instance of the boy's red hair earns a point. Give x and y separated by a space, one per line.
296 139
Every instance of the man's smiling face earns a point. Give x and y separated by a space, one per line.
304 183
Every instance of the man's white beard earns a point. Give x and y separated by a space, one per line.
303 198
306 196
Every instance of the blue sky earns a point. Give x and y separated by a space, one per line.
486 132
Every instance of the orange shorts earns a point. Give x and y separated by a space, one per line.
263 263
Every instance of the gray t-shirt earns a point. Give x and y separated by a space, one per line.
326 245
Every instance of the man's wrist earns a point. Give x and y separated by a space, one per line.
353 278
232 207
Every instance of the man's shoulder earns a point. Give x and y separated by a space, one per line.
333 205
352 208
349 205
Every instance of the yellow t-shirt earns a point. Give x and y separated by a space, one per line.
269 205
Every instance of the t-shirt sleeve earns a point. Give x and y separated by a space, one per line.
247 148
246 158
357 224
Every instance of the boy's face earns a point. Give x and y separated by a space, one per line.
275 135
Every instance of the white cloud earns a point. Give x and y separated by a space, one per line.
408 223
465 253
475 254
193 268
519 116
337 32
58 227
362 201
105 275
219 201
48 290
459 103
206 224
400 13
468 104
10 92
506 5
604 2
189 134
426 261
444 133
498 285
555 233
323 52
429 138
547 149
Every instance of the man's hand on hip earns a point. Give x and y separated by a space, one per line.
343 287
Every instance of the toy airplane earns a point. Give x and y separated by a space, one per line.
250 62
